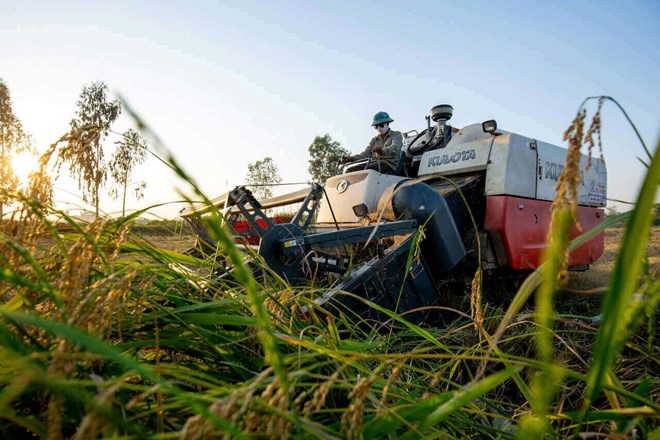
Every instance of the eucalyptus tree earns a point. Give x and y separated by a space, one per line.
262 175
13 140
324 156
131 151
84 152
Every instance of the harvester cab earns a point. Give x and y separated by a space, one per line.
463 198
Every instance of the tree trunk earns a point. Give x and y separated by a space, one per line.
2 163
96 194
123 201
97 179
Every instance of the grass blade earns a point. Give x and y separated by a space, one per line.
614 327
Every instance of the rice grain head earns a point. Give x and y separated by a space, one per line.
351 420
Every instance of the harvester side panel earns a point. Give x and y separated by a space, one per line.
512 167
592 190
515 165
521 225
468 155
348 190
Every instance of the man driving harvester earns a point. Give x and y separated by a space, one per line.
384 150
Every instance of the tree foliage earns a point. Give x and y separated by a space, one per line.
84 152
262 175
40 184
324 155
13 140
131 151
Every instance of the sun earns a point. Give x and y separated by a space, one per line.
23 164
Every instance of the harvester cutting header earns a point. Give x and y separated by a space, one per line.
481 196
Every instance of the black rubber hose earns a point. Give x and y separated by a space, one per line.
442 246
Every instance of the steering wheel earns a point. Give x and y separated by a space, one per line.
369 162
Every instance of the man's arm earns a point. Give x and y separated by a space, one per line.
366 153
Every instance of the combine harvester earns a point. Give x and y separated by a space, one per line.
481 196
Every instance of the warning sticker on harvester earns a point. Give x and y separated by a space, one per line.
296 242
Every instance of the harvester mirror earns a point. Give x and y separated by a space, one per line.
489 126
409 134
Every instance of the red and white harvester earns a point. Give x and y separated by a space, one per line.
479 194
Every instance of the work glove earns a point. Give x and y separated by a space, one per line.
377 150
344 159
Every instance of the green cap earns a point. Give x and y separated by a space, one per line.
381 118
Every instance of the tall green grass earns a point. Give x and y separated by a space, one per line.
103 334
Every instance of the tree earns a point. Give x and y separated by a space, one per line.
131 151
13 140
40 187
324 156
84 152
262 175
40 183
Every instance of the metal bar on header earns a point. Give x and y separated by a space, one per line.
348 236
220 202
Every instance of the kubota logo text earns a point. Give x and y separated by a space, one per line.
554 170
447 158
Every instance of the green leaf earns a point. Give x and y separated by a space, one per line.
460 399
99 347
216 319
395 418
615 327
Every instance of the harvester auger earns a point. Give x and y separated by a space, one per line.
460 199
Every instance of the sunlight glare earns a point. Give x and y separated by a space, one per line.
23 164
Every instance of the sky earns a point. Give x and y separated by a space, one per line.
224 84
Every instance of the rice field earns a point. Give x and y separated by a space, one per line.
105 333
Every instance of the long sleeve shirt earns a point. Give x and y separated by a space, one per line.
390 144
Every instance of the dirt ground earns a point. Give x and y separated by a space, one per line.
598 275
583 292
177 243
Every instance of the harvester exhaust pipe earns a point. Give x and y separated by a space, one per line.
442 246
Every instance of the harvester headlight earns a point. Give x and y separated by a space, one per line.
360 210
489 126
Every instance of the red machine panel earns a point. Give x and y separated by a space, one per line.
247 235
519 227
